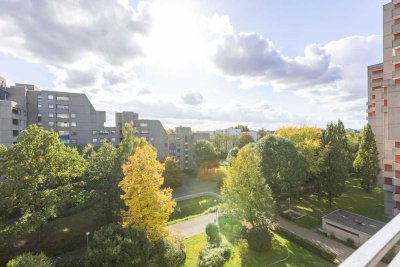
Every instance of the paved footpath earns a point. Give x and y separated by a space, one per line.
193 226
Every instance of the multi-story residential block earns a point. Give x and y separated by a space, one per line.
384 107
236 132
77 122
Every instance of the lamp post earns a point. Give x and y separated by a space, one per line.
87 239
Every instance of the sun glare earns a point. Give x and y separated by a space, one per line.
176 38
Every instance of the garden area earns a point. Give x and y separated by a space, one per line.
354 199
282 253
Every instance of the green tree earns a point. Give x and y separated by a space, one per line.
101 172
172 173
354 143
244 139
115 245
333 161
204 151
245 193
30 260
283 167
367 161
243 128
261 133
41 177
221 143
232 154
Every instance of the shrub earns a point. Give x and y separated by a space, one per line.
243 249
259 239
231 227
310 246
213 236
115 245
214 256
30 260
167 253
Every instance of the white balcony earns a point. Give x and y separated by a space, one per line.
396 13
375 84
372 251
388 174
396 59
388 187
396 181
396 74
396 197
396 28
395 43
396 166
395 151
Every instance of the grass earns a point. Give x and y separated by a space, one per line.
192 207
281 249
59 236
355 199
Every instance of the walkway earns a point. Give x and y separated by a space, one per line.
193 226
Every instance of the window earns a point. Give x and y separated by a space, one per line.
39 115
62 124
94 132
51 115
113 139
62 116
94 140
73 132
73 116
143 124
113 132
39 124
39 105
62 98
15 111
39 97
73 142
63 132
73 124
15 122
144 131
50 97
62 106
103 132
15 133
51 106
51 123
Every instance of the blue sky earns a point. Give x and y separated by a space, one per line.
205 64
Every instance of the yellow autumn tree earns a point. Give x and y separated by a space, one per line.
148 207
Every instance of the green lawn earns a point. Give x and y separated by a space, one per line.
281 249
192 207
355 199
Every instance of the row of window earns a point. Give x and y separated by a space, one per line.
51 97
59 115
60 124
104 132
51 106
96 140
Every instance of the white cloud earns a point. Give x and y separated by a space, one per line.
193 98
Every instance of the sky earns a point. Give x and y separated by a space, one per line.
206 64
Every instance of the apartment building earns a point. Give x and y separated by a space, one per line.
77 122
384 107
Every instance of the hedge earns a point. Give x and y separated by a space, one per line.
314 248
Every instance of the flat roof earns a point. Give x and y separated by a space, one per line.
355 221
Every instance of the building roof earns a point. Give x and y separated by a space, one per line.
357 222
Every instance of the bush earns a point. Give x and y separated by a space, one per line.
214 256
167 253
310 246
230 227
243 249
30 260
213 236
259 239
115 245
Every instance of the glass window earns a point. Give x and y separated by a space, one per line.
94 140
39 115
113 139
73 116
15 122
63 132
39 97
143 124
39 124
51 106
94 132
62 106
144 131
73 124
62 116
15 133
50 97
103 132
62 124
113 132
51 115
39 105
62 98
51 123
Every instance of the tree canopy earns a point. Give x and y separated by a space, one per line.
204 151
172 173
283 167
147 206
245 193
41 176
244 139
367 161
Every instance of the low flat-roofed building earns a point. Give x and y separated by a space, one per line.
345 225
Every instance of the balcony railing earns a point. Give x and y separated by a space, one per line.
372 251
396 12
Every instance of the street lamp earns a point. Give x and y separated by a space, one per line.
87 239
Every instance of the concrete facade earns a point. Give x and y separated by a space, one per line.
77 122
384 107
